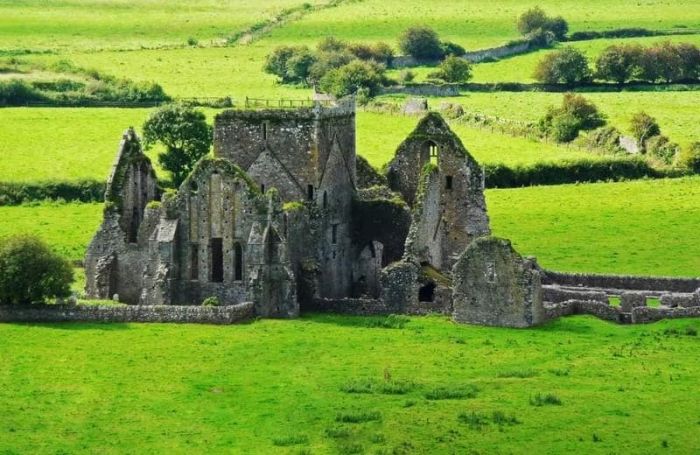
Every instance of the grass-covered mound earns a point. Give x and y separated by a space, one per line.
333 384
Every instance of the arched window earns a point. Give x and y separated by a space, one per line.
433 153
238 261
325 200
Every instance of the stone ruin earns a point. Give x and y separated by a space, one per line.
286 217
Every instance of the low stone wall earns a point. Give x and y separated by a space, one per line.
643 315
422 90
497 52
673 300
556 294
640 283
228 314
406 61
357 307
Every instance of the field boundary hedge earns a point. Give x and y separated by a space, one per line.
16 193
430 89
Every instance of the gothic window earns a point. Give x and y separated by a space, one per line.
433 153
238 262
217 260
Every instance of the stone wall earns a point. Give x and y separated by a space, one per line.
641 283
422 89
635 315
128 313
556 294
494 285
497 52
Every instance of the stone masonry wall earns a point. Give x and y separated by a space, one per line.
128 313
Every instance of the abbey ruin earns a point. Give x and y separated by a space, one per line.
285 216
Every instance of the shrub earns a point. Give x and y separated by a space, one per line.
30 272
575 114
211 301
454 69
185 134
535 21
292 440
567 66
643 126
15 92
518 373
421 42
662 148
378 52
326 61
619 63
531 20
191 41
605 138
450 48
689 157
349 78
331 44
660 62
290 63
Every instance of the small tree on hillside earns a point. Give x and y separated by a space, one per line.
454 69
568 66
643 126
531 20
184 133
422 43
575 114
619 63
352 77
30 272
290 63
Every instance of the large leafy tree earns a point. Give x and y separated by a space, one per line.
185 134
422 43
567 66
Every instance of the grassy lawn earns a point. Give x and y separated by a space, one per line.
333 384
640 227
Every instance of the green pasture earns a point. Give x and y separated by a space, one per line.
67 227
77 143
91 25
338 384
639 227
645 227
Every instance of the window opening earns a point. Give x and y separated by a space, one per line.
448 182
238 262
194 261
217 260
310 192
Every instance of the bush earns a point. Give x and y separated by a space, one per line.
331 44
185 134
535 21
421 43
643 126
689 157
291 64
15 193
348 79
575 114
605 138
406 76
378 52
449 48
619 63
545 400
454 69
568 66
662 148
211 301
531 20
326 61
30 272
15 93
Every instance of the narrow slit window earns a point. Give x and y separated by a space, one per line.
194 261
325 200
134 226
264 130
217 260
448 182
334 234
310 192
262 188
238 262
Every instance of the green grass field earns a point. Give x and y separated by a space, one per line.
639 228
643 227
108 24
296 386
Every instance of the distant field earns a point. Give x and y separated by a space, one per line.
103 24
641 227
295 386
676 112
67 228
